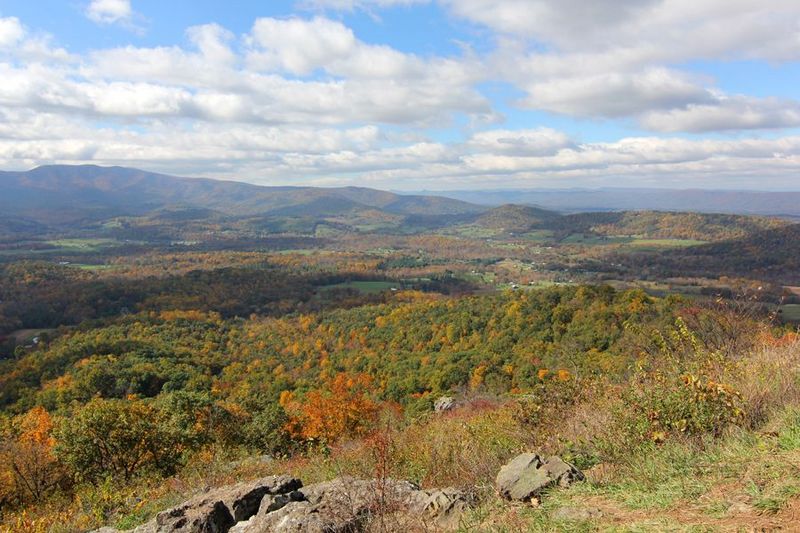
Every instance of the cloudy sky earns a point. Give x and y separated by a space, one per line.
409 94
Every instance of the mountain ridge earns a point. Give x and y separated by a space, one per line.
66 191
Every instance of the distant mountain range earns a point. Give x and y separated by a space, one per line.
62 193
59 192
610 199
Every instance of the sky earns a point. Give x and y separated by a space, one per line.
409 94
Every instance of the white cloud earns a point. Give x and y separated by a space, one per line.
538 142
668 28
615 58
350 5
299 46
11 31
109 11
726 113
306 99
616 94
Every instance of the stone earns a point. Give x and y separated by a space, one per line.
217 511
528 475
282 504
445 403
346 504
445 506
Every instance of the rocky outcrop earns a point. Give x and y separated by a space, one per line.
282 504
216 511
528 475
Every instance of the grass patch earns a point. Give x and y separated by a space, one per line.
663 243
366 287
790 312
84 245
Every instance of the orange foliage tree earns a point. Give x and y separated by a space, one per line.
342 409
28 468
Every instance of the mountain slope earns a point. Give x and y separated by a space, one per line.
58 192
517 218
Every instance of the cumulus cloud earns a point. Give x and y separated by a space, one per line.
305 98
616 94
726 113
299 46
537 142
612 58
109 11
11 31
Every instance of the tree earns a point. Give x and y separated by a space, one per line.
343 409
29 470
120 439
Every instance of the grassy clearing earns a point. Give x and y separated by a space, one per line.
630 241
84 245
365 287
470 231
22 336
790 312
95 268
744 481
663 243
539 235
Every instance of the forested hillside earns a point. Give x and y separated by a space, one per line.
220 332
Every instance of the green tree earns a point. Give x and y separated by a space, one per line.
120 439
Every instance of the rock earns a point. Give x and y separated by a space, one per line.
344 504
348 504
279 504
445 506
577 514
218 510
527 476
445 403
201 515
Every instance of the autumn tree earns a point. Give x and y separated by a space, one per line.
118 438
29 470
342 409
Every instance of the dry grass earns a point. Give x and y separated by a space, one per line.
768 380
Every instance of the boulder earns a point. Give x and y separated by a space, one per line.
282 504
528 475
444 507
347 505
445 403
218 510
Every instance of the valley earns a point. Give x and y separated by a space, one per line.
318 328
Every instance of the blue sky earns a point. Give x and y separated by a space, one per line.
409 94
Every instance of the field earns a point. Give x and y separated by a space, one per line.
664 243
790 312
365 287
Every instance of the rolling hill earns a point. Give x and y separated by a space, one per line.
60 193
516 218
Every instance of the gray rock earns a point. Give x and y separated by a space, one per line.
445 403
218 510
528 475
348 504
344 504
279 504
444 507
